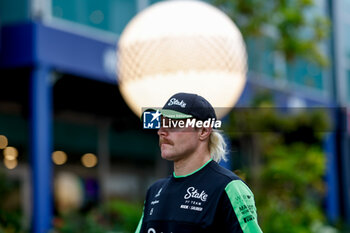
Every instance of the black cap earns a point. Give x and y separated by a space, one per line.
187 105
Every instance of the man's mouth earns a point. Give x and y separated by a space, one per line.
164 141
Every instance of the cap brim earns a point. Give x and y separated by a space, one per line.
172 114
168 113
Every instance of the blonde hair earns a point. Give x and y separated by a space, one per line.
217 146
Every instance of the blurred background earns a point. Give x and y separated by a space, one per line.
74 157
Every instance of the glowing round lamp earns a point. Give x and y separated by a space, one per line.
181 46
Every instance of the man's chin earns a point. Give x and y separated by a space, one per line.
168 157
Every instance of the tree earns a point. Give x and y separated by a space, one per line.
285 164
295 26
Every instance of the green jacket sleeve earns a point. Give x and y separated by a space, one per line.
241 200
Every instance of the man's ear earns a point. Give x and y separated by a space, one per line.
205 133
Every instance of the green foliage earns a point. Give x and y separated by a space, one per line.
294 25
292 188
10 207
128 214
285 165
113 216
76 222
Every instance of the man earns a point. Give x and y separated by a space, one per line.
200 195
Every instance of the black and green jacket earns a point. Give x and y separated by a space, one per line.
209 200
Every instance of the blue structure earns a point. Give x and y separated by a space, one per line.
41 147
45 49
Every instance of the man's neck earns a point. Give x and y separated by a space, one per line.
190 164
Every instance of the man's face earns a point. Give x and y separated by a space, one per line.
177 143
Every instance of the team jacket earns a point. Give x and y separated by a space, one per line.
209 200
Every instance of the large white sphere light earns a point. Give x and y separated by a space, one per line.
181 46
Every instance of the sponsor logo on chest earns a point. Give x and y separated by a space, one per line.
192 192
194 199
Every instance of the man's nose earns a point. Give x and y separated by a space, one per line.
162 131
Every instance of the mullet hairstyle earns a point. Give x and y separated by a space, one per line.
217 146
